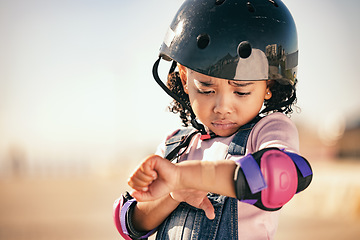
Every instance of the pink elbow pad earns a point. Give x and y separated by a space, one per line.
270 178
280 173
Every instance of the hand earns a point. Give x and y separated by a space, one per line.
154 178
196 199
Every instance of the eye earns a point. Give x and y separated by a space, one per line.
242 93
205 92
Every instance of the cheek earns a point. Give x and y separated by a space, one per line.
258 103
254 103
196 101
199 103
258 99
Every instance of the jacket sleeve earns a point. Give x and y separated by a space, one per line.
275 130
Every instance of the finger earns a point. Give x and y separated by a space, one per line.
148 167
138 184
143 176
208 208
139 179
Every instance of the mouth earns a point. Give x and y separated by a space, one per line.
223 124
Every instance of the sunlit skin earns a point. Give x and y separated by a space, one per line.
223 106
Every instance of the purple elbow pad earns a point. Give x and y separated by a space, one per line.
118 220
121 218
269 178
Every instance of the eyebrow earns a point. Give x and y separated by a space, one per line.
239 83
205 83
231 82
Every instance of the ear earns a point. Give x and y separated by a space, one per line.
268 93
183 77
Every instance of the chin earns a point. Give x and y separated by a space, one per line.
225 133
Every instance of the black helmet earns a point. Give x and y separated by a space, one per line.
234 39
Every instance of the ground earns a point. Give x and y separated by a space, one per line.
80 207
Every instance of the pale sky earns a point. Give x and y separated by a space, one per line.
76 83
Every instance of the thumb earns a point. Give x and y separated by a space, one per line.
208 208
141 196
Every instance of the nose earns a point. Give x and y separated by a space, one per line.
223 104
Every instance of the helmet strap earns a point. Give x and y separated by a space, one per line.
193 121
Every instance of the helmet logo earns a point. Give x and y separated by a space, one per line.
244 49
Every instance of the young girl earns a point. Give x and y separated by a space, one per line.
238 164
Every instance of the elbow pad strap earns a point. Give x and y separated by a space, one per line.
270 178
123 208
119 217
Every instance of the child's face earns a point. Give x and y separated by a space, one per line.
224 105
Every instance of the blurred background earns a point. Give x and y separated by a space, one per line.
79 110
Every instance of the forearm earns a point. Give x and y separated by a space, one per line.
209 176
149 215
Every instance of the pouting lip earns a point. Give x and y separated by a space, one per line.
223 124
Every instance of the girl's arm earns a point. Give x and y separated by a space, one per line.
210 176
150 214
275 174
157 177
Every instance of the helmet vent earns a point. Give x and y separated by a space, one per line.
244 49
219 2
203 41
250 7
274 3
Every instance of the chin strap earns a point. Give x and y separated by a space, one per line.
193 121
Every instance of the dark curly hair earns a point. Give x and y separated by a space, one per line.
283 98
175 85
